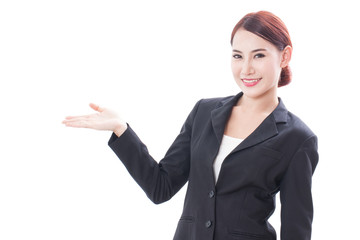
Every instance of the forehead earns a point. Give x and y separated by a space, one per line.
247 41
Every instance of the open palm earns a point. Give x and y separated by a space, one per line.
104 119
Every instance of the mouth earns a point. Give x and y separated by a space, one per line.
250 82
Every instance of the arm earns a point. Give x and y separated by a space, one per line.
160 181
295 193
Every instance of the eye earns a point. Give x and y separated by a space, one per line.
259 55
237 56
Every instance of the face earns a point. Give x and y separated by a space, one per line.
256 64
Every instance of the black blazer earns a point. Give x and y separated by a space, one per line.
280 155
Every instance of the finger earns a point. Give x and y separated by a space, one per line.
70 117
96 107
80 117
77 121
78 124
75 117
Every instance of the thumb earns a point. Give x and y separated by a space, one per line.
96 107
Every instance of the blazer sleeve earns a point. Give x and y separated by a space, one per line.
295 193
160 181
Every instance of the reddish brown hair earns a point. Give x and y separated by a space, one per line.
269 27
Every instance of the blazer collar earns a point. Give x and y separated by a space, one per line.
266 130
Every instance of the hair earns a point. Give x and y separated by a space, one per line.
269 27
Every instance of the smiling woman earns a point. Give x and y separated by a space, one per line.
257 62
236 152
270 28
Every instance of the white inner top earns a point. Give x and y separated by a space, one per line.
227 145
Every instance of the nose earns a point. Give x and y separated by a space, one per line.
247 68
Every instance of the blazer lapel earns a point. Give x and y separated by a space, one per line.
220 115
266 130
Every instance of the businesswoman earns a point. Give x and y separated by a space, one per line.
236 152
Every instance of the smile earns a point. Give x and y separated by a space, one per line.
249 82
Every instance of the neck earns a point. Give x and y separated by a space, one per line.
265 103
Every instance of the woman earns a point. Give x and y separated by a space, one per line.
235 152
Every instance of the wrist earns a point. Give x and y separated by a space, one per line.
120 129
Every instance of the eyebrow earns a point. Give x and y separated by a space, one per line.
253 51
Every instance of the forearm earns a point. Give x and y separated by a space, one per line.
162 180
150 176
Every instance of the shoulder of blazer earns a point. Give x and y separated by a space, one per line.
213 103
298 127
206 106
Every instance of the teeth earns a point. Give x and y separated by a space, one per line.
251 81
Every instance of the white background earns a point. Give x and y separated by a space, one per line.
151 61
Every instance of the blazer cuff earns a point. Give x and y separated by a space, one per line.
126 144
117 141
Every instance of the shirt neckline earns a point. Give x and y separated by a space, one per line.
239 139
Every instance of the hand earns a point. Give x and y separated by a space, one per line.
104 119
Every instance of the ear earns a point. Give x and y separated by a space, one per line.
286 56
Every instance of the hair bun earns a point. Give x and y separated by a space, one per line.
285 76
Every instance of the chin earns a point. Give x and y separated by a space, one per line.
258 92
251 94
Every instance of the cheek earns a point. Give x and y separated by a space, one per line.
235 68
270 69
